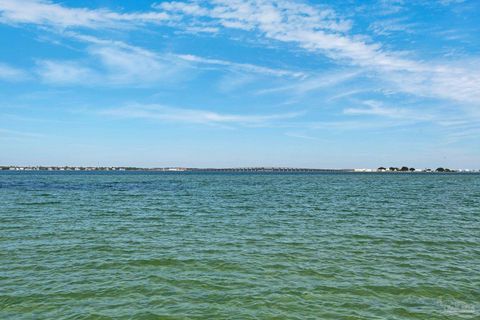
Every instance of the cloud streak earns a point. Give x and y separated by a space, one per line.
9 73
15 134
50 14
376 108
314 28
242 66
158 112
321 30
111 63
313 83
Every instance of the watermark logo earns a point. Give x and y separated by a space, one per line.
459 308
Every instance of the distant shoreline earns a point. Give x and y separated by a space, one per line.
243 169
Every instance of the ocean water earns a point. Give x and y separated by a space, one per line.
239 246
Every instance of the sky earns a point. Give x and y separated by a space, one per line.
230 83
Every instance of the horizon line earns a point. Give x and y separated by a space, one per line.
231 169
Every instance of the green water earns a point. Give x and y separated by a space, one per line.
239 246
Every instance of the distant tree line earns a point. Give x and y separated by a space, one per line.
407 169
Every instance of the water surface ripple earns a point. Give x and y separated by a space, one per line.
239 246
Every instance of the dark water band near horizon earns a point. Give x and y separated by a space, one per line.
143 245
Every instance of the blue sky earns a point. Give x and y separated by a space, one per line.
240 83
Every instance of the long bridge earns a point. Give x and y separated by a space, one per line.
265 169
170 169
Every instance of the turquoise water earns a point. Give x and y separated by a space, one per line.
239 246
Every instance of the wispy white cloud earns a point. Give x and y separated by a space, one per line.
263 15
462 134
118 63
198 29
376 108
47 13
452 126
386 27
388 7
349 93
66 73
357 125
311 27
232 81
313 83
451 82
111 63
9 73
449 2
236 75
314 28
15 134
134 65
195 116
321 30
242 66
